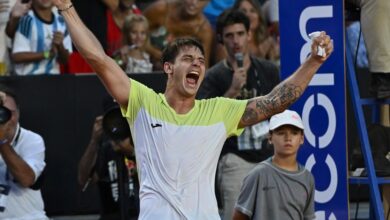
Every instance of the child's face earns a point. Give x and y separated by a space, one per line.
286 140
138 34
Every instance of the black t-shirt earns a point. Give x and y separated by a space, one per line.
115 172
262 77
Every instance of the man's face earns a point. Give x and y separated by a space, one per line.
187 71
235 38
193 7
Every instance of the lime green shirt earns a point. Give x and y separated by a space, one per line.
177 154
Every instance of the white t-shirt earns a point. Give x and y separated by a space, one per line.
36 35
24 203
177 154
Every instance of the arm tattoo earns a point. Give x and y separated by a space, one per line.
276 101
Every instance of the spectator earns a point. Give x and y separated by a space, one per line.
262 44
178 139
356 42
270 9
214 8
21 164
230 78
280 187
109 161
375 19
8 23
354 35
132 56
41 41
169 20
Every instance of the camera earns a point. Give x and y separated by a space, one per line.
5 114
115 125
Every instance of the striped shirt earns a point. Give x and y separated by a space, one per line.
35 35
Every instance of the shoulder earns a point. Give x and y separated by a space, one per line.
59 18
205 27
266 68
217 68
308 174
25 24
30 134
30 137
259 169
156 9
264 63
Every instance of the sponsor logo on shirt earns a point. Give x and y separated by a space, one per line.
156 125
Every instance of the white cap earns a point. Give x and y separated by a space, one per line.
287 117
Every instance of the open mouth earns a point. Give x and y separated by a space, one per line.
192 78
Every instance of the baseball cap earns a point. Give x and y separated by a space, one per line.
287 117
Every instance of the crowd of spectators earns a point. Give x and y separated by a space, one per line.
34 39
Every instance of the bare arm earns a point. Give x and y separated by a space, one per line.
88 160
237 215
28 57
17 12
288 91
114 79
19 169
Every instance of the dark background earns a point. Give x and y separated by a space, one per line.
62 110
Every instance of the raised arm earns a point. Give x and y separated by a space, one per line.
288 91
114 79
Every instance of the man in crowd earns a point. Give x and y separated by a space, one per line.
22 155
109 162
178 139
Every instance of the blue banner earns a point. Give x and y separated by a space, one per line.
324 151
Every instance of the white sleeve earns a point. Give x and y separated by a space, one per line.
21 44
32 151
